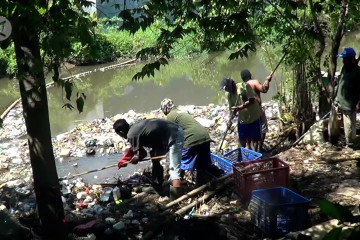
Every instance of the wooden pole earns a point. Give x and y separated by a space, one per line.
109 166
168 218
5 113
208 195
197 190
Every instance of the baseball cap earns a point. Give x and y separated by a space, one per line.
348 52
225 82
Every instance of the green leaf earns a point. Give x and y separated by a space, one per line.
336 211
138 76
68 106
1 123
68 89
334 234
157 65
42 11
80 103
163 61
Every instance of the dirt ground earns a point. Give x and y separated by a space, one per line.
325 171
316 171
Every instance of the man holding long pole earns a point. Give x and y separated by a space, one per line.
258 88
241 100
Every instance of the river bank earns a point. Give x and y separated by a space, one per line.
97 137
318 170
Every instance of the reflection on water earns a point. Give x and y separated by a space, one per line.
192 81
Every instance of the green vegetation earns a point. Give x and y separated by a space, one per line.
348 225
7 61
108 45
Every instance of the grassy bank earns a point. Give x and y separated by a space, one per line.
109 44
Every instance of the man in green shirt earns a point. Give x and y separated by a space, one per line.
348 93
241 100
196 151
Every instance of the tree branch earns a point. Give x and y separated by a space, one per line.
319 29
282 15
336 44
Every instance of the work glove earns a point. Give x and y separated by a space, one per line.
129 153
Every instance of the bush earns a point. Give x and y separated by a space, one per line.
101 50
110 44
8 61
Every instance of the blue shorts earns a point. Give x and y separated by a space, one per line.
251 131
197 157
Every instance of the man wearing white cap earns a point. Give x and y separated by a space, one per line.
196 151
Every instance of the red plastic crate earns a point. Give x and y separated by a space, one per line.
262 173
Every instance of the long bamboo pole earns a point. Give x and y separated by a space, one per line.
168 218
110 166
197 190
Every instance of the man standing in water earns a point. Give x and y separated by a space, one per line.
241 100
258 88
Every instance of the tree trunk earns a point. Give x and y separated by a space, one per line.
304 113
324 96
36 114
335 45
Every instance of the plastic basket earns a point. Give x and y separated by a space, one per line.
242 154
277 211
221 163
226 161
261 173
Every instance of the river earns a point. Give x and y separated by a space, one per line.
192 81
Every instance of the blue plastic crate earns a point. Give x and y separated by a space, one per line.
242 155
226 161
221 163
277 211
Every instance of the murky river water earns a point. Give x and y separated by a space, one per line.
192 81
73 166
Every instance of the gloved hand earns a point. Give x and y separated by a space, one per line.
126 158
135 159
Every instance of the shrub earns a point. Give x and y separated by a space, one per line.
8 61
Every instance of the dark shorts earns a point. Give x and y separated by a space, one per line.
196 157
250 131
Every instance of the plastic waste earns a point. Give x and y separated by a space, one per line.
22 192
90 151
90 143
116 193
106 196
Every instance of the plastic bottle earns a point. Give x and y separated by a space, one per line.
116 193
